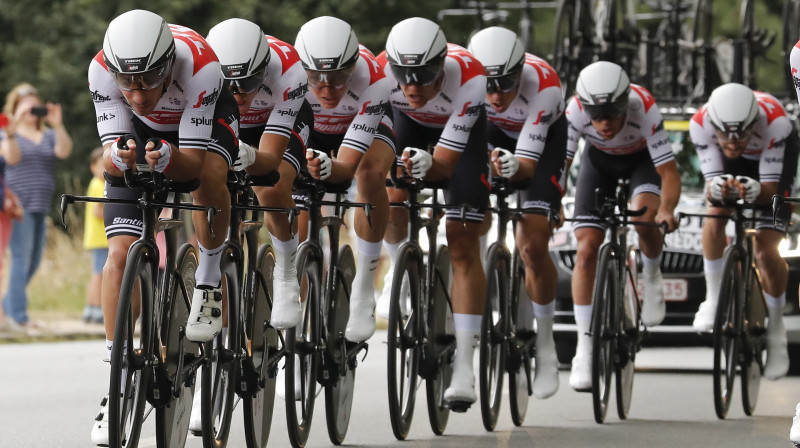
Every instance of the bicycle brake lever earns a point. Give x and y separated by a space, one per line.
368 213
66 199
464 216
211 212
292 218
777 201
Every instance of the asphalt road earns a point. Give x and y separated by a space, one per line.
49 394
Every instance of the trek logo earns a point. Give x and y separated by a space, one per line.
298 92
462 128
374 109
206 100
470 110
105 116
98 98
202 121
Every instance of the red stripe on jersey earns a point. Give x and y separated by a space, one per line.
797 44
700 115
470 67
101 60
165 117
286 52
375 69
547 76
381 58
770 105
202 54
228 127
647 97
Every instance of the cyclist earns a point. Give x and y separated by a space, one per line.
794 60
269 85
625 138
352 137
165 87
438 95
747 149
527 131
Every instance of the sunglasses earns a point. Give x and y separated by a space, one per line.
245 86
606 111
734 137
331 78
423 75
503 84
148 80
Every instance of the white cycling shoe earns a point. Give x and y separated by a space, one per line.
205 317
195 418
777 365
461 392
361 323
704 318
794 433
653 307
100 426
580 377
286 307
545 380
385 299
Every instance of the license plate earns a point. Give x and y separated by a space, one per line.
675 289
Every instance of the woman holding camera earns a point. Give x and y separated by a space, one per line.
30 149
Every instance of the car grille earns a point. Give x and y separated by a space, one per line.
671 262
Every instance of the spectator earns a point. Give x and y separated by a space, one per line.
94 239
30 149
9 208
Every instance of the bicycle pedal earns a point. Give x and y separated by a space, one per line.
458 406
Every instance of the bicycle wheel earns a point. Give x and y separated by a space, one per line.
302 342
565 46
441 338
403 339
494 326
702 55
130 377
629 331
339 393
726 329
747 57
172 417
603 329
220 375
754 342
258 407
519 373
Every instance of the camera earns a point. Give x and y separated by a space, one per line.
39 111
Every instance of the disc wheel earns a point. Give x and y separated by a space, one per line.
339 393
442 337
725 333
603 331
754 342
493 342
629 340
520 377
258 407
403 338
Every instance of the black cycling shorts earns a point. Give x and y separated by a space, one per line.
123 219
544 191
470 183
295 153
602 170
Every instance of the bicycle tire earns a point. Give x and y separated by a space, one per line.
220 375
754 342
404 336
302 341
725 333
441 337
494 330
172 419
127 400
259 407
339 393
630 326
565 45
603 321
519 379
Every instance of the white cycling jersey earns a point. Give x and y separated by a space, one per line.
360 110
187 105
281 93
767 144
539 103
456 106
643 128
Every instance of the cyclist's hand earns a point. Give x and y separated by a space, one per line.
749 188
505 162
245 158
417 161
159 154
720 187
318 163
123 153
668 218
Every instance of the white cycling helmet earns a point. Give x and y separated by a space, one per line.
138 50
733 110
416 49
502 55
603 89
243 52
328 49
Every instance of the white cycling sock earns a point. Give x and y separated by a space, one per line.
583 319
650 265
544 311
713 273
368 256
285 252
775 309
391 249
208 268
